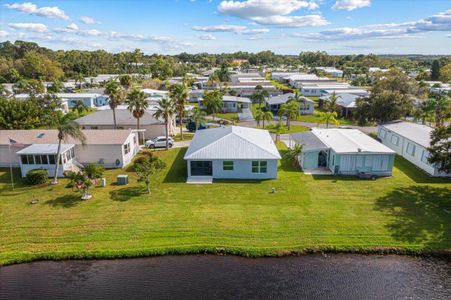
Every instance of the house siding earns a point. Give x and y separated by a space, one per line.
352 164
408 149
242 169
309 160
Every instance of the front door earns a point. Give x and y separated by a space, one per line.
201 168
322 159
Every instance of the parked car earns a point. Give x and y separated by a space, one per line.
191 126
159 142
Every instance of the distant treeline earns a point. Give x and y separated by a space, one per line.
27 60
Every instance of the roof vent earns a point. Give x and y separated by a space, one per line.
41 135
359 150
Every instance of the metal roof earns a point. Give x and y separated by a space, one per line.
345 100
232 142
236 99
280 99
309 141
45 149
420 134
350 141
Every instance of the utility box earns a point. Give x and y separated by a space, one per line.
103 182
122 179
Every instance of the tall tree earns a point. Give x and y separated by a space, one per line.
79 107
179 96
331 103
198 116
147 165
442 108
440 148
290 110
435 70
137 104
66 128
165 110
293 154
328 117
213 102
259 95
126 81
116 96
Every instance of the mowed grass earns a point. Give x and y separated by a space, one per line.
409 212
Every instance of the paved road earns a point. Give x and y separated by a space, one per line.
245 115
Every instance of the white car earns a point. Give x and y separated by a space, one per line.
159 142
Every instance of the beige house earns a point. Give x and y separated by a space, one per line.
36 149
103 119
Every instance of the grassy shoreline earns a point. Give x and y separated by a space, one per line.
403 214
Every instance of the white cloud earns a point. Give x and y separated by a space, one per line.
220 28
36 27
3 33
88 20
437 22
260 8
255 31
207 37
351 4
33 9
292 21
72 26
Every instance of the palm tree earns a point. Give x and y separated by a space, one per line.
442 109
137 104
331 103
259 95
290 110
66 128
328 117
79 106
165 110
213 102
267 116
126 81
179 95
259 116
116 95
80 79
425 111
198 116
293 154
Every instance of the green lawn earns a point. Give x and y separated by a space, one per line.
408 211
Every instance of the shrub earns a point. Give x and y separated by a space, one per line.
37 176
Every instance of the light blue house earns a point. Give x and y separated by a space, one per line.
411 141
231 153
306 107
88 99
343 152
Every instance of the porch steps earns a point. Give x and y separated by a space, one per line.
200 180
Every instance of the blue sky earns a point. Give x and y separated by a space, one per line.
283 26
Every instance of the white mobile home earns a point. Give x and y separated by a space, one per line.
232 153
88 99
231 104
411 141
343 152
36 149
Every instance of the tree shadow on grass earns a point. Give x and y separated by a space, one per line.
65 201
126 194
421 214
177 170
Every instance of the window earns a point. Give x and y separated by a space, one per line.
394 139
410 149
52 159
24 159
126 148
37 159
425 156
44 159
227 165
382 133
30 159
259 166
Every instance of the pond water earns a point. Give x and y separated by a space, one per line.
341 276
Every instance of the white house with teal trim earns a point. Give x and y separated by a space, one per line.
231 153
410 140
343 152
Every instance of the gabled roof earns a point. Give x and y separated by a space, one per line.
236 99
344 141
123 118
420 134
309 141
50 136
232 142
280 99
